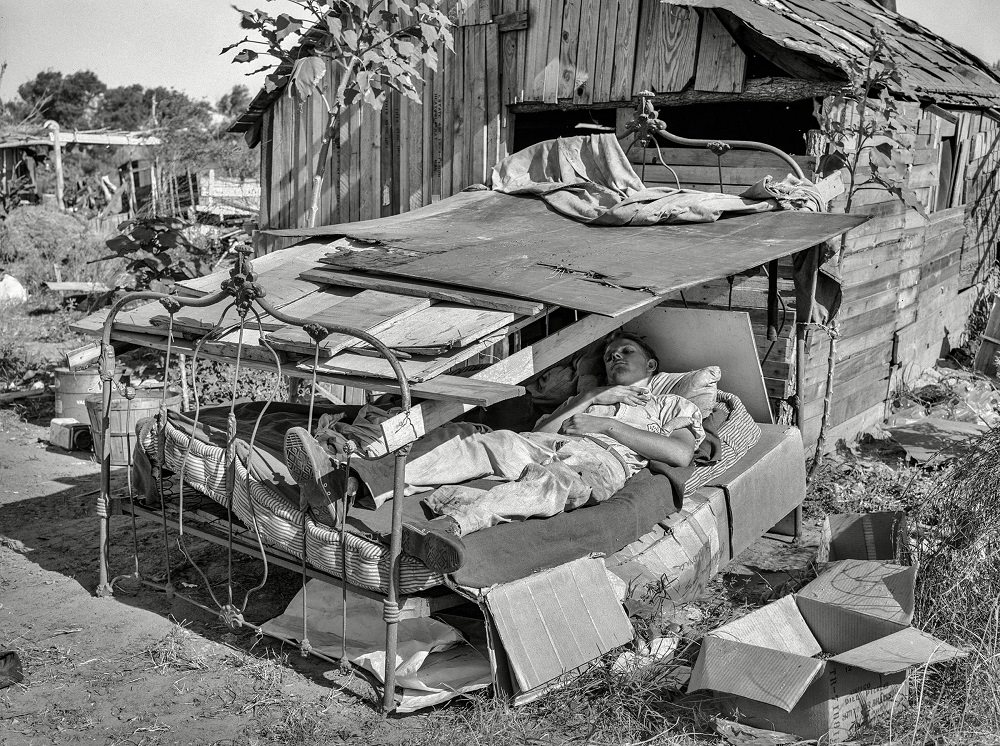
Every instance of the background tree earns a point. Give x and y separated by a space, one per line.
233 104
375 46
71 100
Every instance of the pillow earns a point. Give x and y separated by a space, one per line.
697 386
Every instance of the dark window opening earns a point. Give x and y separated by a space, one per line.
534 127
783 124
946 177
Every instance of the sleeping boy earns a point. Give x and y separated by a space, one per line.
582 453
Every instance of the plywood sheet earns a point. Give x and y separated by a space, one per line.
517 246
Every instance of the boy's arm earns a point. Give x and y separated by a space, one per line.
673 449
607 395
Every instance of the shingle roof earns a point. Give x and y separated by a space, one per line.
830 31
836 31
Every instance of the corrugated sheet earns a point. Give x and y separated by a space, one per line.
837 31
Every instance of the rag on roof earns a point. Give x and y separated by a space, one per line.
589 179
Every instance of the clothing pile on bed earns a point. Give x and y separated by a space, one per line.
266 498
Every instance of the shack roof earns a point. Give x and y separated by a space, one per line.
828 33
835 32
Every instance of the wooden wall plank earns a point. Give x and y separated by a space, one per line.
666 49
721 63
458 134
553 68
437 135
428 138
590 33
537 44
476 61
493 106
626 32
569 48
604 62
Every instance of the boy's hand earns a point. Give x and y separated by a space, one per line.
585 424
634 395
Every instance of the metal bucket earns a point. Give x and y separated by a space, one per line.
72 389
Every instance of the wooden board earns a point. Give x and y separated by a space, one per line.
688 339
444 325
721 63
667 44
416 367
401 286
624 50
370 310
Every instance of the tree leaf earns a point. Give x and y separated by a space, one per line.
284 25
246 55
306 76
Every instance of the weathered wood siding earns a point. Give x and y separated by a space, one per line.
909 283
410 154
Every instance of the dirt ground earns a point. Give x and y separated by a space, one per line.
143 669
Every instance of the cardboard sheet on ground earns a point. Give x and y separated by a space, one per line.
433 661
932 437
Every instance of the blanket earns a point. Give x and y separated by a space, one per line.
590 180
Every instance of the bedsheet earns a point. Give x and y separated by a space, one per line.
266 498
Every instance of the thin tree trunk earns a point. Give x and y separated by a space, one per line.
332 117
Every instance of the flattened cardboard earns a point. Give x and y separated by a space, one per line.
864 536
769 482
779 626
683 552
723 338
899 651
556 621
771 676
878 589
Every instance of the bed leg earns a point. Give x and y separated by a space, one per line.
104 588
390 607
797 523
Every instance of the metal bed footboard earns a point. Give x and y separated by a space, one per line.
247 298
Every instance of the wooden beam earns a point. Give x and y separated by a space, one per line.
757 89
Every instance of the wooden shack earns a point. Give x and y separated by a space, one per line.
523 71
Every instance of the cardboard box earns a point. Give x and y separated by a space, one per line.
69 433
550 624
825 661
865 536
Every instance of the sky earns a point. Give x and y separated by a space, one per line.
176 43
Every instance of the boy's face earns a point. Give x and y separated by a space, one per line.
626 363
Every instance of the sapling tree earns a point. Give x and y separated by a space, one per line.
865 131
376 47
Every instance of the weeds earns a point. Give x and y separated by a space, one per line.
176 652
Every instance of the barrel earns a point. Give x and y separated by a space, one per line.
73 387
124 416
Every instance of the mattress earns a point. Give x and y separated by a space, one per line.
265 498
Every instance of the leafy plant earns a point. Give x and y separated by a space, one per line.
863 120
158 254
375 47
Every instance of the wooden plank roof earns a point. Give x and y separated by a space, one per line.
838 31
